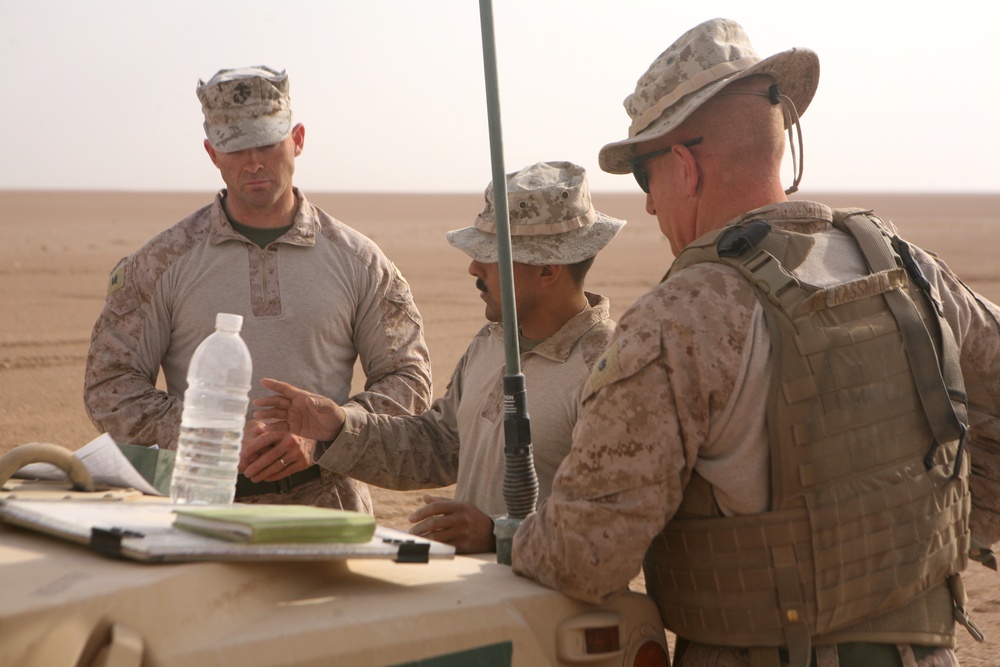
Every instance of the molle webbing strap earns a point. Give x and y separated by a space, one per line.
857 407
792 603
945 417
865 526
717 580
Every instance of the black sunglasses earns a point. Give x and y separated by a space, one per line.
641 177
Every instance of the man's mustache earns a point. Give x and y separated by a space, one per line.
481 286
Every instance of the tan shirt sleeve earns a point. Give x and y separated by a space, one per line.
646 414
123 362
976 323
389 338
402 452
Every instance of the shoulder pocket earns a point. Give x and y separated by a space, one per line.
121 295
624 357
398 294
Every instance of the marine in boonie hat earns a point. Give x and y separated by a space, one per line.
698 65
245 108
552 220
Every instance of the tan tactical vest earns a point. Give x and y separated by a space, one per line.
869 479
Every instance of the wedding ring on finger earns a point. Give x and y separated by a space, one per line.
282 460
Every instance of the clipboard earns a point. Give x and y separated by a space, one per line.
142 530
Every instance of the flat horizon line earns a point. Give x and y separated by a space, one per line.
463 193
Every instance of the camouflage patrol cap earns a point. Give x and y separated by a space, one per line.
699 64
552 220
246 108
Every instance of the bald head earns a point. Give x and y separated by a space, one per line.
744 139
738 164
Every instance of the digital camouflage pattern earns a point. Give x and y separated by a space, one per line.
552 219
460 440
245 108
689 372
314 301
701 62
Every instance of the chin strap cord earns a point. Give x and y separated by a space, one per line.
791 116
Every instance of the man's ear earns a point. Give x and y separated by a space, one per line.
299 138
211 152
550 273
690 171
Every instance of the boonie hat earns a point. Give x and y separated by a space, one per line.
699 64
552 220
246 108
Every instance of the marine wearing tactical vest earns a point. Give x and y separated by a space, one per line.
776 433
868 527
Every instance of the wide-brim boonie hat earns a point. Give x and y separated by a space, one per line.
552 220
245 108
699 64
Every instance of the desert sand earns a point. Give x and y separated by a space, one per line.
59 248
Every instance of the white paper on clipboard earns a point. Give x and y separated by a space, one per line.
104 461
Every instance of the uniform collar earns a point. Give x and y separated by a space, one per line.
304 225
559 345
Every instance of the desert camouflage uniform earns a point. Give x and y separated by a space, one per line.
683 386
460 440
312 302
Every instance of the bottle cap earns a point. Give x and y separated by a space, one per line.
228 322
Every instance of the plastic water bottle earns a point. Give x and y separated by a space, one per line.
215 406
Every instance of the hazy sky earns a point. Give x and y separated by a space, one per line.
101 93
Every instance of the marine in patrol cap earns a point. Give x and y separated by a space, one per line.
703 61
552 220
246 108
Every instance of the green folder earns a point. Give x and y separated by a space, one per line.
253 523
155 465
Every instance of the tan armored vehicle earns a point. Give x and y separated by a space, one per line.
79 594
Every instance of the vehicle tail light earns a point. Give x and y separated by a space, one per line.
588 637
601 640
651 654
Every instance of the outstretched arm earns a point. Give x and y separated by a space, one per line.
300 412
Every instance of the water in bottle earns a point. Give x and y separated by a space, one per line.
215 406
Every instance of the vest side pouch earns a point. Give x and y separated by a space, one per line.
717 579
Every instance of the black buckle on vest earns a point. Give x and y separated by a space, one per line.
959 453
737 241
